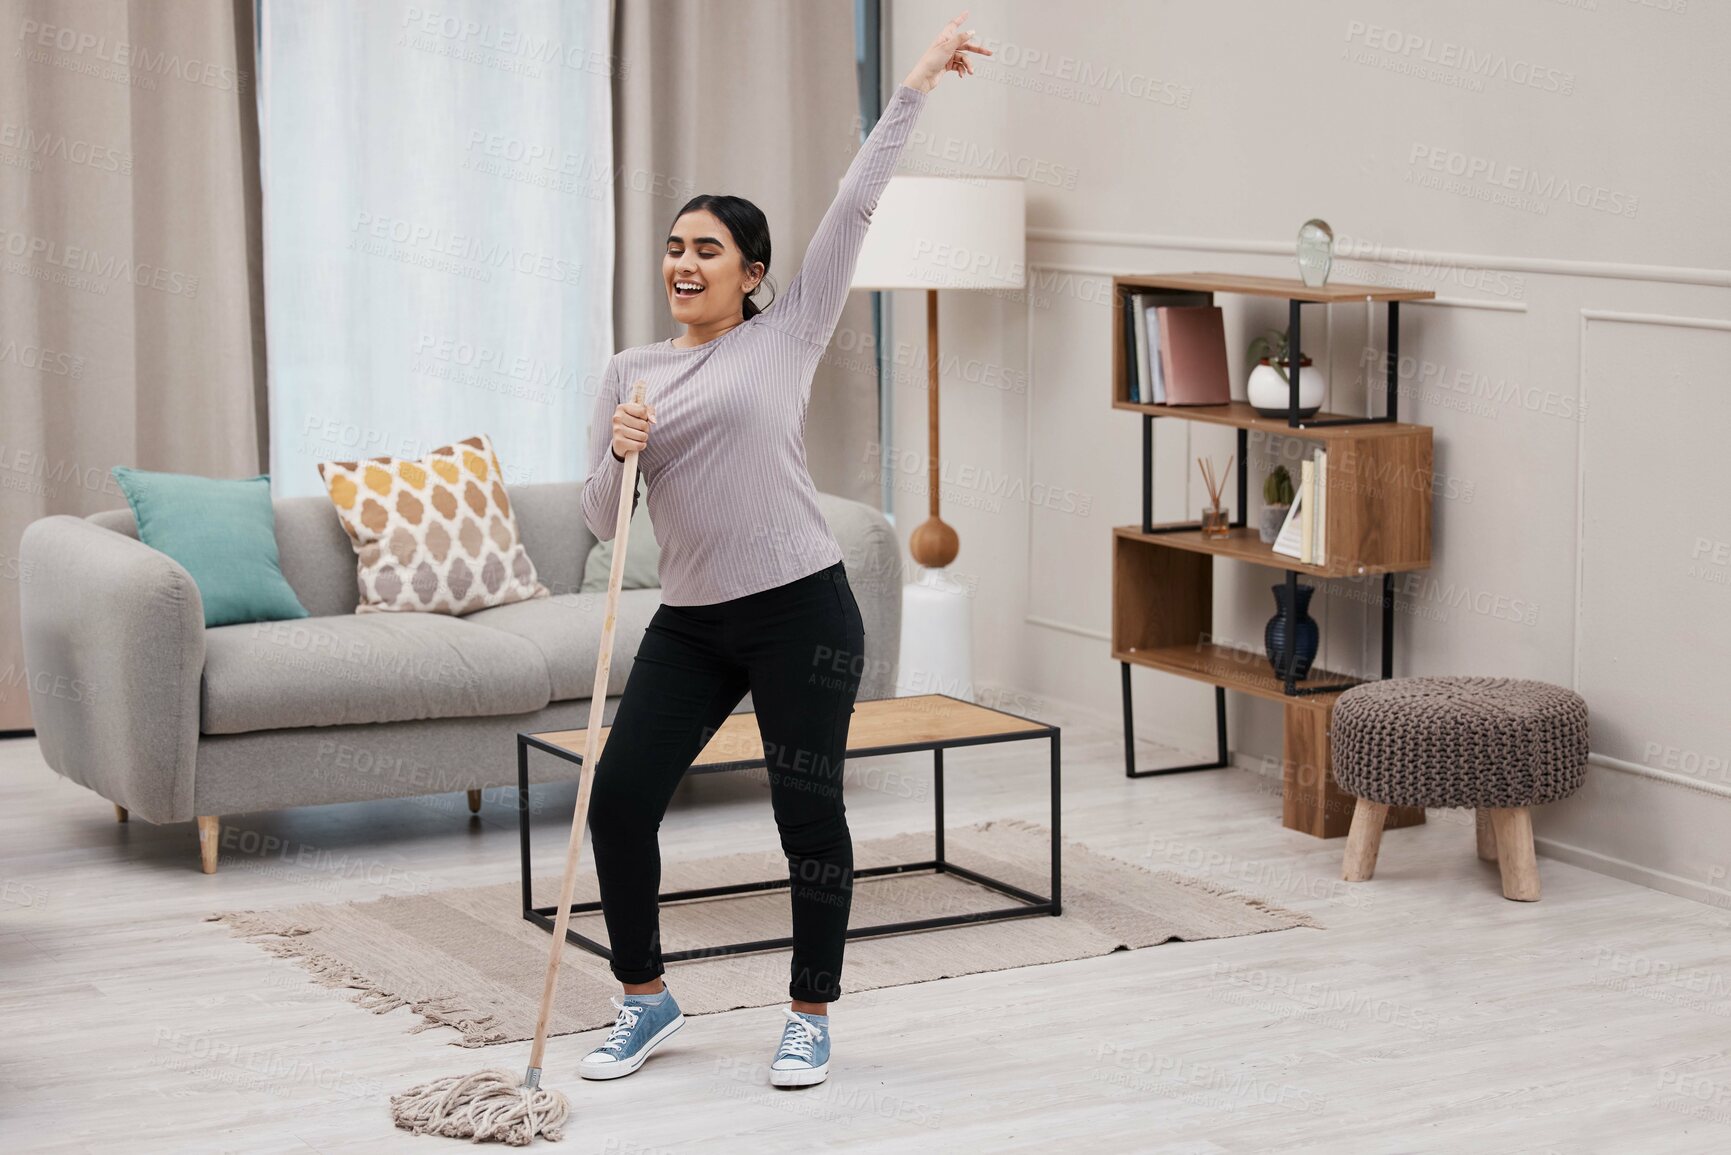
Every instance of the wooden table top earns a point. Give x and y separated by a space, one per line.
919 720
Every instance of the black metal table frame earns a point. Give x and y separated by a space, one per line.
1031 903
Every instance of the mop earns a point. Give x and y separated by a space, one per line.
492 1106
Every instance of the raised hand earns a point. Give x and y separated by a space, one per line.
945 55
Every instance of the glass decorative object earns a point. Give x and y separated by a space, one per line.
1315 252
1214 523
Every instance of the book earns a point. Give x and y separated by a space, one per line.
1192 352
1145 378
1132 384
1319 555
1154 367
1290 540
1307 483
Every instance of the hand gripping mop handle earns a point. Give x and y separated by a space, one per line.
591 752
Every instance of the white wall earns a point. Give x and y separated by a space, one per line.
1574 365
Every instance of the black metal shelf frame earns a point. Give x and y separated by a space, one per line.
1391 414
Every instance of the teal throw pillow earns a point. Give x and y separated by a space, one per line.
223 533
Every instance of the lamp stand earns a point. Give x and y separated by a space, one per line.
933 543
937 627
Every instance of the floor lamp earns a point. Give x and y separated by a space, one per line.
935 233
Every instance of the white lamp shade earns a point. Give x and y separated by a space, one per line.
940 232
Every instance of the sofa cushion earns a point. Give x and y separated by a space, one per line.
566 630
335 671
223 533
434 535
642 558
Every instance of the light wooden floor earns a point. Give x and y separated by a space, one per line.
1431 1015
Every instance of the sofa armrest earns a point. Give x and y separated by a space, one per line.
113 650
873 558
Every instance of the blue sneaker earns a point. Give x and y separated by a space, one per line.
643 1022
803 1057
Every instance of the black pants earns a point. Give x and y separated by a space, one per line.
799 649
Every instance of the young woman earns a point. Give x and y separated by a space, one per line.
754 595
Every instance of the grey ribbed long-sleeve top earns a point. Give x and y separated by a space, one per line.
730 495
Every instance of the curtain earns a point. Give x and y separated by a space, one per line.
438 229
129 263
758 99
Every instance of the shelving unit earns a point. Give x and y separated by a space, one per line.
1378 524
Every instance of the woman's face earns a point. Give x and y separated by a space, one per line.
701 254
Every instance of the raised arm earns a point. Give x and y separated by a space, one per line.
811 304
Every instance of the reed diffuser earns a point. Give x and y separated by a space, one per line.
1213 517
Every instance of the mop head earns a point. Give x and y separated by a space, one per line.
488 1107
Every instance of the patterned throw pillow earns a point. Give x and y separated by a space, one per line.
434 535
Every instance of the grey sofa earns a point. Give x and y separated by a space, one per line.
134 698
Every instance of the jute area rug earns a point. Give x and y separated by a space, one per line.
466 960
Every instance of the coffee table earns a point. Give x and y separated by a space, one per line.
935 722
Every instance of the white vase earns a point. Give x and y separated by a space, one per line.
1270 396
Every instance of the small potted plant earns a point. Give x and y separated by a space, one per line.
1269 389
1277 499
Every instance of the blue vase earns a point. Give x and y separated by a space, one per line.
1274 637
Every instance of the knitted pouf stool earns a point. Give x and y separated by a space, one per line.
1495 745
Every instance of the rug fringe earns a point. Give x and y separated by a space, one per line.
1207 886
276 937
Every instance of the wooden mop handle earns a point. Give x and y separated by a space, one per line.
591 752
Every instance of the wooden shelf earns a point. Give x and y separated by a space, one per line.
1241 415
1245 544
1286 288
1379 481
1236 669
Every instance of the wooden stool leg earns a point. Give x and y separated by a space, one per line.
1487 835
1520 866
474 802
209 834
1364 839
120 814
